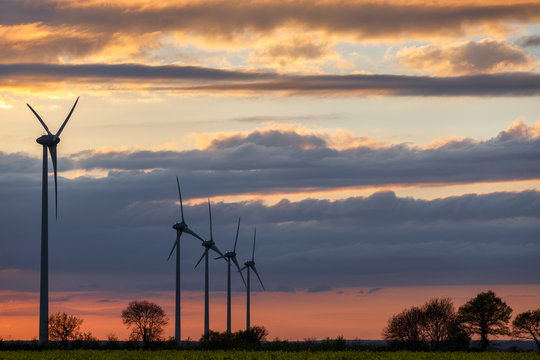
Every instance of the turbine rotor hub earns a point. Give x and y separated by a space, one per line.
229 254
249 263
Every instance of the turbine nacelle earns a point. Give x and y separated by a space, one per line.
179 226
208 243
249 263
48 140
229 254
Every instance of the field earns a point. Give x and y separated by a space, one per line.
266 355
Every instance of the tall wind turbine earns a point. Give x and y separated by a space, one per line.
208 244
50 142
180 227
231 256
251 265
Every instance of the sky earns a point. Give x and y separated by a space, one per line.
387 152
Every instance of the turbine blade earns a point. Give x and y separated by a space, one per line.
210 213
67 118
220 257
176 243
242 269
188 230
180 196
258 277
52 150
198 262
239 270
214 247
40 120
237 230
254 238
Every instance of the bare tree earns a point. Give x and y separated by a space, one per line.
146 320
439 321
485 315
527 326
434 323
406 327
64 327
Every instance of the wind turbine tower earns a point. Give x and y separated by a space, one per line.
180 227
208 244
49 142
250 265
231 256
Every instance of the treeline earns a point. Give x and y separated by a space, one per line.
437 326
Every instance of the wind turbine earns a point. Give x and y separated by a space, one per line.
251 265
180 227
208 244
50 142
231 256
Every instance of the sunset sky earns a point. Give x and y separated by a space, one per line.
388 152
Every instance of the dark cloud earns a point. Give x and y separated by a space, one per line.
529 41
319 288
115 232
273 161
181 78
373 290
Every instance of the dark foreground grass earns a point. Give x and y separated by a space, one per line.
258 355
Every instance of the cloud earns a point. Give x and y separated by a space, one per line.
530 41
273 161
114 232
373 290
319 288
472 57
193 79
230 21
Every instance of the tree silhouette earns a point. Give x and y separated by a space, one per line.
406 327
440 323
527 326
146 320
434 323
64 327
485 315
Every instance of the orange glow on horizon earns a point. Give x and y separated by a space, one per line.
355 313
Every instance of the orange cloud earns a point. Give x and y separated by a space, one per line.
472 57
75 31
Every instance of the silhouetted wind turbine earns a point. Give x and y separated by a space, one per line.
231 256
50 142
208 244
180 227
251 265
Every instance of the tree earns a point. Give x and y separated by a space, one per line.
146 320
439 321
485 315
254 335
527 326
434 323
406 327
64 327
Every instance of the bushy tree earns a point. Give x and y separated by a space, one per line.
146 320
527 326
64 327
485 315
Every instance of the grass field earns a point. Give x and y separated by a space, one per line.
266 355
